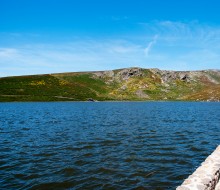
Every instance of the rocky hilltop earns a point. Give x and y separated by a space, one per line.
122 84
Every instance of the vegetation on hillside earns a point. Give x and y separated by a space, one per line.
122 84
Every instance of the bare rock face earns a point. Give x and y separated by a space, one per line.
125 74
104 74
141 94
109 74
166 77
170 76
124 87
185 77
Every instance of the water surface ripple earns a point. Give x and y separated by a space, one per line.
104 145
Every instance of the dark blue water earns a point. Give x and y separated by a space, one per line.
104 145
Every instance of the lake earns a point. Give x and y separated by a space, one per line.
104 145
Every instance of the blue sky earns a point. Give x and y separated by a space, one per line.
49 36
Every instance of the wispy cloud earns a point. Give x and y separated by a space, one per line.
150 44
7 52
67 57
179 32
175 45
184 45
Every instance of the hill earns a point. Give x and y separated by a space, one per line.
122 84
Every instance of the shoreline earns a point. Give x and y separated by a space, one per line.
119 101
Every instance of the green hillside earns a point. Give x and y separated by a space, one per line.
122 84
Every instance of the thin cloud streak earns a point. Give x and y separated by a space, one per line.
175 45
149 46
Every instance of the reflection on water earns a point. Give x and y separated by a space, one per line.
104 145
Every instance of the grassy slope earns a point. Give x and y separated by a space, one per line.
81 86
